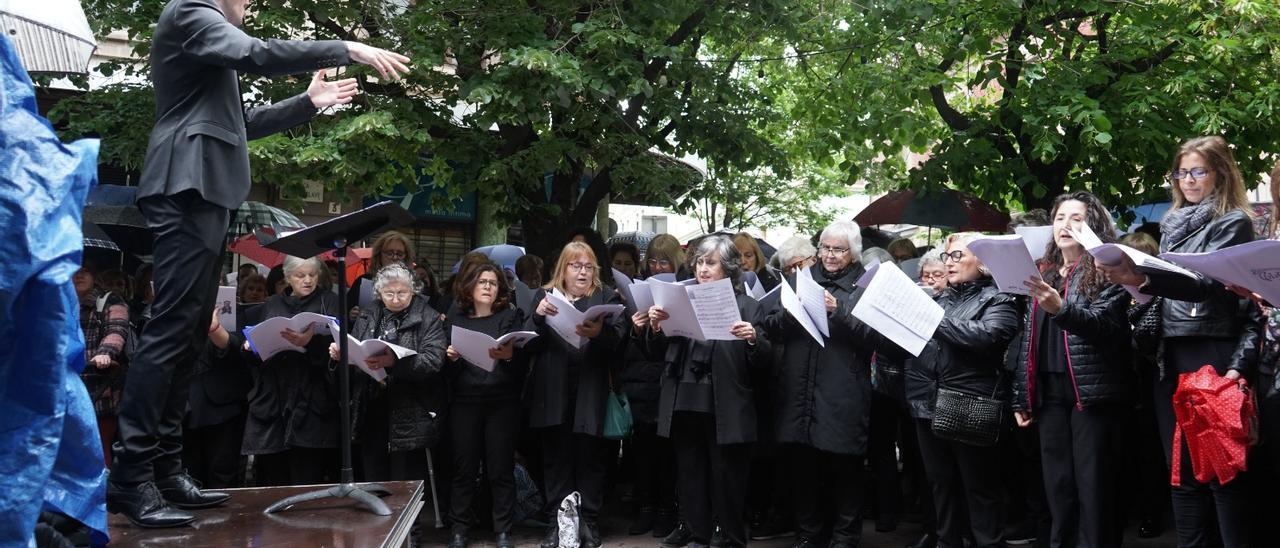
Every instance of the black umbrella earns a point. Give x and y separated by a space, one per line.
95 238
125 224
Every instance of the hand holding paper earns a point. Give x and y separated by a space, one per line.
895 307
484 351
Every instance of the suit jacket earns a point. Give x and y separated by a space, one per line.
200 140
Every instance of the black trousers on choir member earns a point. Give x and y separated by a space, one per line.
820 477
882 442
212 454
573 462
1079 450
964 479
313 466
710 478
1195 503
654 462
189 237
377 462
484 432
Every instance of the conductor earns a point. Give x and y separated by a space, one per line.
196 172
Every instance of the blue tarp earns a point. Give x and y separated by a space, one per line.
50 453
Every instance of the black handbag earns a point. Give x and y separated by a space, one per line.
967 418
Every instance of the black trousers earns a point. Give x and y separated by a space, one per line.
189 241
573 462
212 453
484 432
829 489
1079 450
1195 503
965 480
377 462
882 442
710 478
654 464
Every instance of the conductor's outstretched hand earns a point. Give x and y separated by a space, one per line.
325 94
390 65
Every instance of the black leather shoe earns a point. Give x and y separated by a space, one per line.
681 536
503 540
144 507
458 540
929 540
643 522
1149 528
664 522
552 537
718 540
589 535
182 491
804 542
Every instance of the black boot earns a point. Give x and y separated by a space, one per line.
144 506
589 534
643 522
929 540
681 536
458 540
182 491
664 522
718 540
503 540
552 537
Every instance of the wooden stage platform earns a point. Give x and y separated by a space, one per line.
322 523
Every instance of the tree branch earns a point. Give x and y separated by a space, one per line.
954 119
657 65
1137 66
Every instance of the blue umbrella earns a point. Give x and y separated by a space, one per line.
504 255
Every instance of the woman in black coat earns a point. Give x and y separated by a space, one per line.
707 405
292 427
823 395
1073 375
394 422
966 354
568 388
484 406
1202 322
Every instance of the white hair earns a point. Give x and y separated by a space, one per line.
794 248
875 255
847 231
292 263
395 273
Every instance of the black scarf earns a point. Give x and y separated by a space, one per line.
833 276
1183 221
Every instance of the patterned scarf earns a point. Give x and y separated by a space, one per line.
1180 222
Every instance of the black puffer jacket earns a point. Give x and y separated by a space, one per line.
1202 307
967 352
414 391
1097 335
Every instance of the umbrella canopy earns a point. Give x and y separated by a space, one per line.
250 247
251 215
95 238
49 35
125 225
937 207
504 255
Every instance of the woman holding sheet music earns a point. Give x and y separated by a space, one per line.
292 429
395 422
965 355
823 394
707 407
484 406
1202 322
1072 374
568 386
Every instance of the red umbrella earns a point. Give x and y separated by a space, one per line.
249 246
934 207
1219 421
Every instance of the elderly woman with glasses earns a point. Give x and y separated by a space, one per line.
568 387
823 394
389 248
966 354
395 421
794 254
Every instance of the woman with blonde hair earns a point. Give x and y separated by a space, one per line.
568 387
753 260
1202 322
389 247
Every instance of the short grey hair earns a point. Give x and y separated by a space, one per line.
730 259
928 261
794 248
847 231
292 263
394 273
877 254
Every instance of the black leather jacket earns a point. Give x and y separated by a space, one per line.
1202 307
967 352
1097 345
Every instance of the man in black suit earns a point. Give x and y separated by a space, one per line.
197 172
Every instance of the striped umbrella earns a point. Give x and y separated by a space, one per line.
96 238
51 36
251 215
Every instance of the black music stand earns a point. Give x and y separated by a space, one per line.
334 235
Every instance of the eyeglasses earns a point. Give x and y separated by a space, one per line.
659 262
1196 174
394 254
487 283
954 256
395 295
582 267
833 251
793 266
932 275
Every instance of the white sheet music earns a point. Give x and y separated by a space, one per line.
698 311
1036 238
814 299
895 307
792 304
567 318
226 306
1254 266
474 346
1009 261
265 337
1111 254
